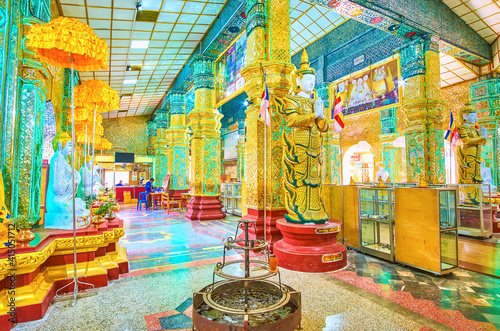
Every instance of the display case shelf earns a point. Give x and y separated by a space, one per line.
231 198
474 210
376 222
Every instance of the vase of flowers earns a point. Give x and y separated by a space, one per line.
98 218
24 226
111 209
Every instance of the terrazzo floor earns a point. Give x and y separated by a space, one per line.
170 258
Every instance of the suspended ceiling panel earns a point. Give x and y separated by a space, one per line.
482 15
159 43
454 71
309 22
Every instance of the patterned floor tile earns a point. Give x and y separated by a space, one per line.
475 296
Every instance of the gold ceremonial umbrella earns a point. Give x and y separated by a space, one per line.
96 94
69 43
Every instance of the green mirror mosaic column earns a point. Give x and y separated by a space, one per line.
161 148
388 135
204 122
178 149
424 111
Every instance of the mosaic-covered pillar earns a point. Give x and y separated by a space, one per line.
485 98
161 147
328 170
151 138
178 148
268 39
387 137
204 122
10 42
240 149
23 82
66 100
424 112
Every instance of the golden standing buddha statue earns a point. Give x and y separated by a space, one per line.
302 148
469 154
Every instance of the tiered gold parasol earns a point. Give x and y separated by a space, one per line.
96 94
69 43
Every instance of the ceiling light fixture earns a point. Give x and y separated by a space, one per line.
129 81
140 44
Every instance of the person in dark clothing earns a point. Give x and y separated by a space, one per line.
149 189
120 183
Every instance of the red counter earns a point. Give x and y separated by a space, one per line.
134 192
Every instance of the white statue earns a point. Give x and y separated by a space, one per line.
60 192
382 173
487 177
85 186
97 179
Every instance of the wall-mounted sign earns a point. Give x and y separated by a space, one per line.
371 89
360 59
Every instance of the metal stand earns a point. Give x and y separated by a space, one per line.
75 280
241 291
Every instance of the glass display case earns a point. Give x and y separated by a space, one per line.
376 222
474 210
426 229
231 198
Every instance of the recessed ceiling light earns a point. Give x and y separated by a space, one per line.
129 81
140 44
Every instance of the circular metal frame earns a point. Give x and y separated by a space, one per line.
218 271
285 298
234 244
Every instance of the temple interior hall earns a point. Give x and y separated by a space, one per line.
249 165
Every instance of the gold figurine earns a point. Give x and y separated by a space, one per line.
469 154
302 148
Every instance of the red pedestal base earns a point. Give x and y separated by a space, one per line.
273 234
204 208
310 248
496 225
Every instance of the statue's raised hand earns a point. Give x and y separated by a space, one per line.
483 132
318 108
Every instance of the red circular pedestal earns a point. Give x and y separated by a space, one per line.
310 248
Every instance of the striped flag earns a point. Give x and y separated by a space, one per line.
451 135
264 105
338 116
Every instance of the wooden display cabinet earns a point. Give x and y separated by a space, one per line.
475 214
426 228
376 222
332 199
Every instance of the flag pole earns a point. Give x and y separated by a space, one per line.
265 175
342 185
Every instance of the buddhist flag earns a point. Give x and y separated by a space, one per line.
264 105
452 135
338 116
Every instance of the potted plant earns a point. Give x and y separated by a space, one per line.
98 218
112 207
24 225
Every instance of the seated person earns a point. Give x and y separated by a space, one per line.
120 183
149 189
